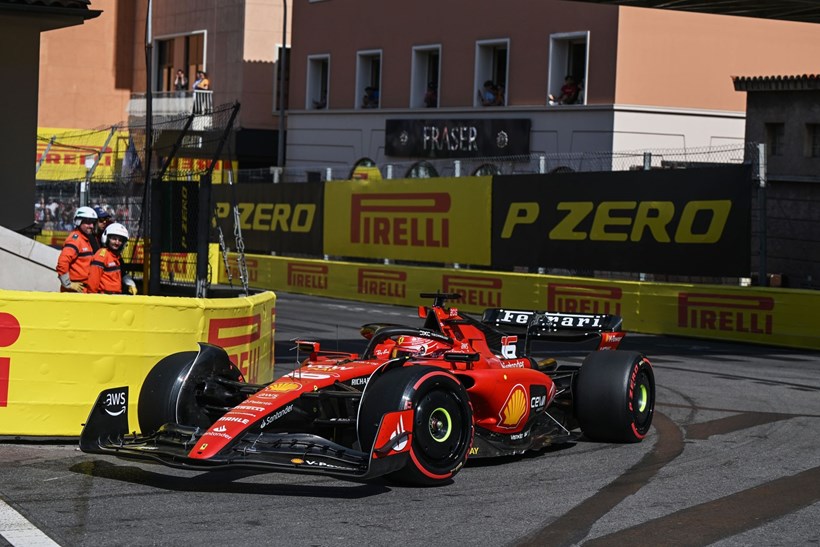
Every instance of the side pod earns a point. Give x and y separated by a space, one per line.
107 422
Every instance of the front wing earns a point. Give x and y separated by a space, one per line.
106 432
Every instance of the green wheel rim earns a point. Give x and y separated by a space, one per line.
643 397
440 425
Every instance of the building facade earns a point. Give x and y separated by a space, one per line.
650 79
95 76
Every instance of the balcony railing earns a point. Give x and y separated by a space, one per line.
172 103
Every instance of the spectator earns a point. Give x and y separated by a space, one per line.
202 82
431 96
500 100
371 97
75 257
487 95
105 274
180 83
103 220
569 92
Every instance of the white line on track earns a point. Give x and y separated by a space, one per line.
19 532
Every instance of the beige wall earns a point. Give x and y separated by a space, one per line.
83 83
680 59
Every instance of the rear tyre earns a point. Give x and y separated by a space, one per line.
442 426
181 389
615 396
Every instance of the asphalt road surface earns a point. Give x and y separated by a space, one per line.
733 458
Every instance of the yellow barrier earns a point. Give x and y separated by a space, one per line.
58 351
772 316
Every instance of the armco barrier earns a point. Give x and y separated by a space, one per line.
780 317
58 351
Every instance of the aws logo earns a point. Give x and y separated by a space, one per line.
515 408
692 222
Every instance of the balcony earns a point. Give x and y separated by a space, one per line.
174 104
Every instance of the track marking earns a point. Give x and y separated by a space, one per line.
18 531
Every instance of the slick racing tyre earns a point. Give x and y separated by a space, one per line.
442 426
615 396
181 388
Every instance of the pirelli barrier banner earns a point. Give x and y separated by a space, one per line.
678 221
427 220
285 218
58 351
779 317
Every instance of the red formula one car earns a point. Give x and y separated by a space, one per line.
413 406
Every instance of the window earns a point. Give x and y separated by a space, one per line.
491 72
775 138
812 146
318 82
368 79
185 52
424 80
421 170
569 54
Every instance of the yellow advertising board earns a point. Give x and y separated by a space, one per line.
771 316
58 351
431 220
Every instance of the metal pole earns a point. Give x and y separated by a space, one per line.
283 63
762 275
152 229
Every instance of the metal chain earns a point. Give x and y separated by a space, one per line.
224 249
240 244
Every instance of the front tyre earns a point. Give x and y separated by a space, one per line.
615 396
443 420
182 388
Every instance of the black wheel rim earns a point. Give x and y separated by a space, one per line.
642 401
439 434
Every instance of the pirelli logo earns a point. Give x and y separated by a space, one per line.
578 298
307 276
381 282
251 265
234 331
402 219
484 292
726 313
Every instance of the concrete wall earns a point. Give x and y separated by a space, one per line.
26 265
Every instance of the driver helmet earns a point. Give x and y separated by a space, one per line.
83 212
115 229
420 347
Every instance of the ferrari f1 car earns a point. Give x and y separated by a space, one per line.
412 407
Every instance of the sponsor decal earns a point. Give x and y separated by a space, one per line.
275 416
399 446
244 406
214 433
271 217
519 436
513 364
327 368
229 332
233 419
538 398
514 408
297 461
266 395
307 276
401 219
284 387
484 292
221 429
115 403
726 313
203 446
9 333
302 375
509 346
578 298
359 381
473 451
318 463
382 282
566 320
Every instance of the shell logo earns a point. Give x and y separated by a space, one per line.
284 387
514 408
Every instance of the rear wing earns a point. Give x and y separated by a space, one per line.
559 327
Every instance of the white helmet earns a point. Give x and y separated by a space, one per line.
84 212
114 229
